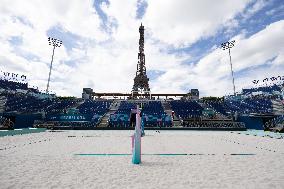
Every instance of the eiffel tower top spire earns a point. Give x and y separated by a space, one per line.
141 81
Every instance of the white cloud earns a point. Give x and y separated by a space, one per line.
212 76
107 61
30 20
248 54
78 17
186 21
257 5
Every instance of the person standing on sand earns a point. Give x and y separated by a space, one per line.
143 122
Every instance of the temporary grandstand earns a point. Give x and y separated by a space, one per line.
28 107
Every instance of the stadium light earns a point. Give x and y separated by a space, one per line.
225 46
55 43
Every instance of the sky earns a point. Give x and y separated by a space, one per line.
182 43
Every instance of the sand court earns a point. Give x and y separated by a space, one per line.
170 159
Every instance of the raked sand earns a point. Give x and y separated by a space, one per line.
48 160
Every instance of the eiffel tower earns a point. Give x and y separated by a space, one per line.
141 81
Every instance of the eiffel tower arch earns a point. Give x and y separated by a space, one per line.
141 81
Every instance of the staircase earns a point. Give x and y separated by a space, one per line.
203 105
167 107
218 114
113 108
3 101
278 107
76 105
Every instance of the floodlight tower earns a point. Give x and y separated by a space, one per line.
55 43
225 46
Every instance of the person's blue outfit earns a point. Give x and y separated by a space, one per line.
143 121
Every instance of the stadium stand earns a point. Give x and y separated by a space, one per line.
218 106
12 85
24 103
153 115
121 118
186 109
265 89
249 105
188 113
94 107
